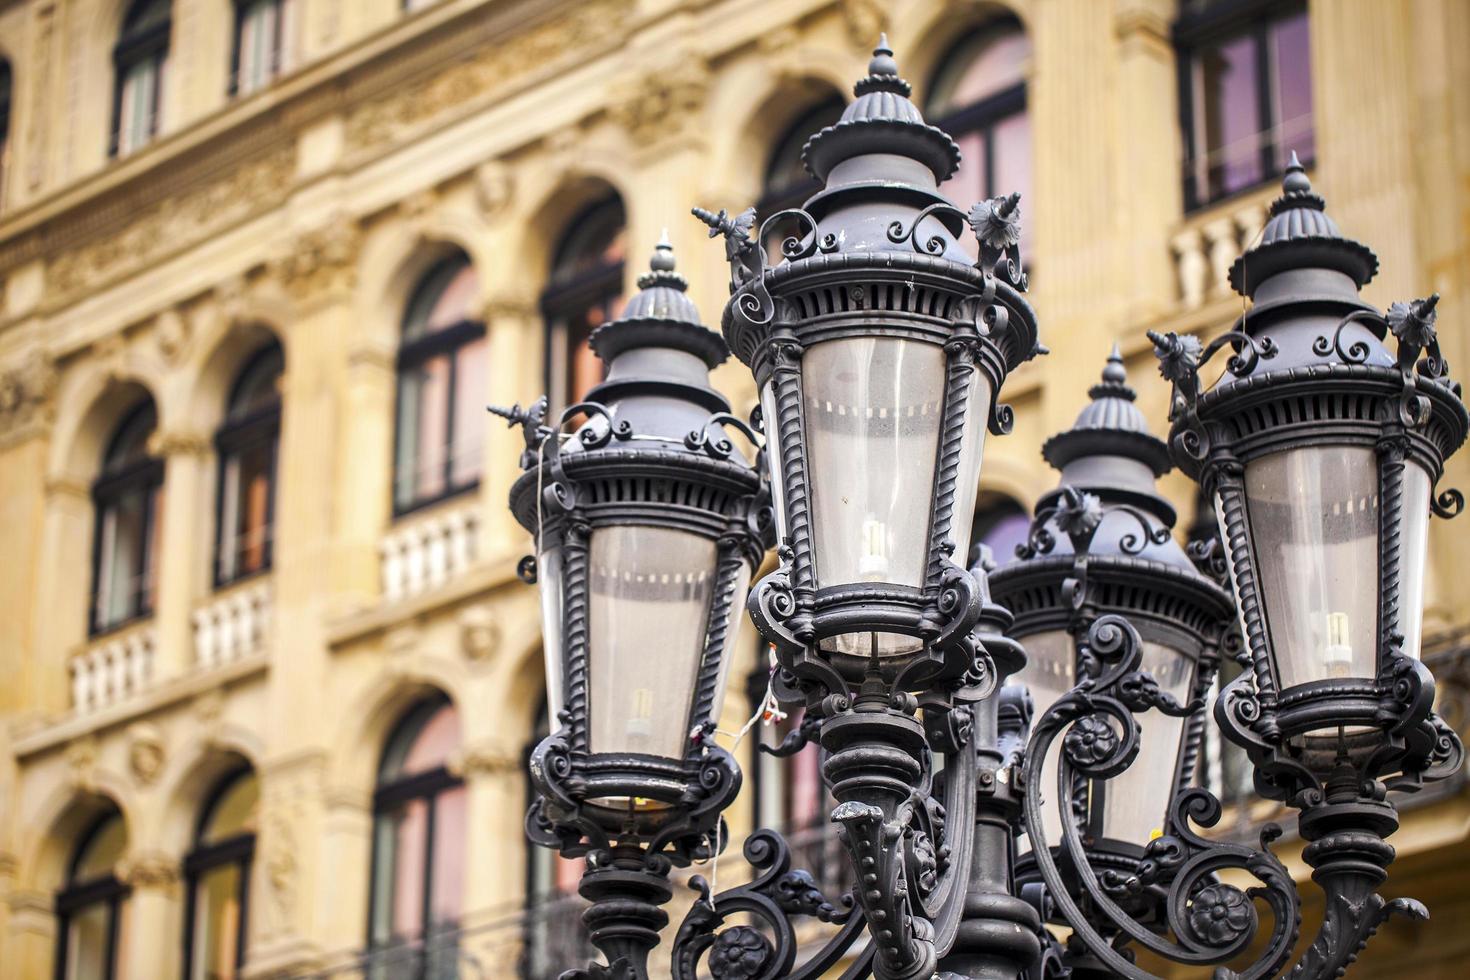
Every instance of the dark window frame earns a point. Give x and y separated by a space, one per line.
413 354
75 896
146 477
7 97
1215 23
427 786
235 437
564 297
983 116
132 50
793 194
238 850
277 46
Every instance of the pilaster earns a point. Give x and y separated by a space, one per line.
184 551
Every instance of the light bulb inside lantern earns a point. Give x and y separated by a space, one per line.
873 562
1338 653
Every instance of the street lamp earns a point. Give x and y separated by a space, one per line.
878 350
879 347
648 522
1320 449
1101 545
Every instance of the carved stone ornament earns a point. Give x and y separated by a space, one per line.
81 762
149 871
281 871
664 103
146 754
479 633
494 184
322 262
27 390
485 75
170 333
864 20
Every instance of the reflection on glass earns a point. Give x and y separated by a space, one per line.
1135 801
1413 552
1050 672
1314 523
216 924
649 591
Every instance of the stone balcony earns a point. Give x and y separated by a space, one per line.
113 668
232 625
422 553
1207 243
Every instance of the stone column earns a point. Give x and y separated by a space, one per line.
495 848
290 866
154 917
64 592
28 944
185 545
514 376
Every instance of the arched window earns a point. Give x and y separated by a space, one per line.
441 388
90 907
127 495
1000 524
787 183
554 933
978 96
138 61
585 291
6 84
247 443
260 43
218 875
418 846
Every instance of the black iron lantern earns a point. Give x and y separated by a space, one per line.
878 346
1321 450
648 522
1101 544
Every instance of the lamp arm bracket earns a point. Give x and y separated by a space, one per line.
1211 921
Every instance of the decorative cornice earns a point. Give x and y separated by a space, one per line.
484 76
663 104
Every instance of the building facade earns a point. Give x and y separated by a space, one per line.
269 677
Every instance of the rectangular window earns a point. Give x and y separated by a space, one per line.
260 47
245 511
1246 95
138 104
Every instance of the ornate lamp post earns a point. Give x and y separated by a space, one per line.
878 349
879 346
1321 449
648 523
1101 545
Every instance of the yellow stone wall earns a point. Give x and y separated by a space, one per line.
308 209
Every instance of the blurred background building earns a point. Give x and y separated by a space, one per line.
267 677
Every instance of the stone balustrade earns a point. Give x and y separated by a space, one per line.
424 553
1208 244
112 670
232 625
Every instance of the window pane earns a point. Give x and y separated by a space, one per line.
983 65
216 924
103 850
447 901
469 412
445 297
234 812
398 892
1292 98
120 559
424 741
139 100
245 530
1228 103
423 401
86 943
